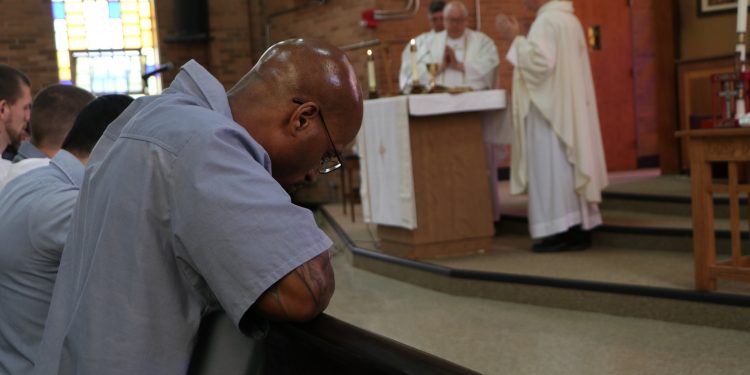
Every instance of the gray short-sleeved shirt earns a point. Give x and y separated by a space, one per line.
28 151
35 210
177 216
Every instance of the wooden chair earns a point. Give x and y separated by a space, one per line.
350 183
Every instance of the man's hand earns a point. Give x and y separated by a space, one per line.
300 295
508 26
450 61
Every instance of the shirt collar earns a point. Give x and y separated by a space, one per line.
70 166
196 81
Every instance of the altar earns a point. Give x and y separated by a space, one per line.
425 181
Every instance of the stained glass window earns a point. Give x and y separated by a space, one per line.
105 46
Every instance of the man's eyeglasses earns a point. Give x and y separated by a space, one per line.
329 163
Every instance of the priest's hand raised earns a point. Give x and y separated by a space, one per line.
508 26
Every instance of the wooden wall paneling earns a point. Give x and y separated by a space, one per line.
612 67
655 103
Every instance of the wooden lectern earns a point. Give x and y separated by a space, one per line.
450 181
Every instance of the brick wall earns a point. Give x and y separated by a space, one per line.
335 21
227 54
27 40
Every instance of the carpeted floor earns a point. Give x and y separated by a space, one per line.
511 254
495 337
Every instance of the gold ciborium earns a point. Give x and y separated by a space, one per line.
432 68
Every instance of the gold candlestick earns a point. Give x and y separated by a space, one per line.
372 84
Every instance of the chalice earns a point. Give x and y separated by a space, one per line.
432 68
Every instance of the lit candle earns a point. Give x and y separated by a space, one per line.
371 71
413 50
741 16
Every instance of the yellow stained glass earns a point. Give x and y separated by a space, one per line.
63 59
145 10
129 19
128 7
76 32
146 41
73 7
61 41
132 42
130 30
109 41
65 74
76 20
77 44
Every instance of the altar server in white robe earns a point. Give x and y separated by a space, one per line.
466 58
435 17
557 155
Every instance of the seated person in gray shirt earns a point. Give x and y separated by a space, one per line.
53 112
35 211
185 210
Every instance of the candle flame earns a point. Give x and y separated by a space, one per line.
369 52
413 42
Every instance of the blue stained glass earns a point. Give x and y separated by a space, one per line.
66 82
114 9
58 10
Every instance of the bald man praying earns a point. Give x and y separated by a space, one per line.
185 210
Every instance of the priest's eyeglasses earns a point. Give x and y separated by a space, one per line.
328 163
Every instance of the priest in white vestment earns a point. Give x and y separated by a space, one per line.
466 58
557 155
435 17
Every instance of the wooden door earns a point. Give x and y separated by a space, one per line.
612 67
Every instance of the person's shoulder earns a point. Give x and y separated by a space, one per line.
425 35
26 165
26 188
478 34
173 121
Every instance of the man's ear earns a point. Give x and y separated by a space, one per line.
302 117
3 107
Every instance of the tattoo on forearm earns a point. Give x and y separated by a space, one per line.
314 277
276 295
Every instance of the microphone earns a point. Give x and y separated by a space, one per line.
159 69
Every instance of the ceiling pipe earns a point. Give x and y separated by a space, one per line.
362 44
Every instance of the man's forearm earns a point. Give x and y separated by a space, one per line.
302 294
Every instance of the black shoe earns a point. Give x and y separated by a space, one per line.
581 244
572 240
550 244
576 239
